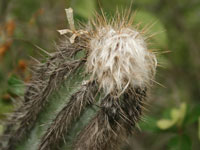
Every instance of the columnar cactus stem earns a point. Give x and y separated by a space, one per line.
72 110
119 70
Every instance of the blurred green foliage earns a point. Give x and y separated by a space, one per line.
172 120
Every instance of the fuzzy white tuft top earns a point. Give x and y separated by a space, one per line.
119 59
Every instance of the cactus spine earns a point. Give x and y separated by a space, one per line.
92 102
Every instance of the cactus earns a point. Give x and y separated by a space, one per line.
89 94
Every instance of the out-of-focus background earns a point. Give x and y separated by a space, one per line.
172 121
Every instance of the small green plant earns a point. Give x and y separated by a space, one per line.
176 123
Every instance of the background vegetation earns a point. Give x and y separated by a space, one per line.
172 121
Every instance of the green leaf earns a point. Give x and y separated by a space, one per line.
165 124
84 8
15 86
181 142
193 115
179 114
177 117
13 80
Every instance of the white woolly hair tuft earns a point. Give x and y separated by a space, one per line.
119 58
